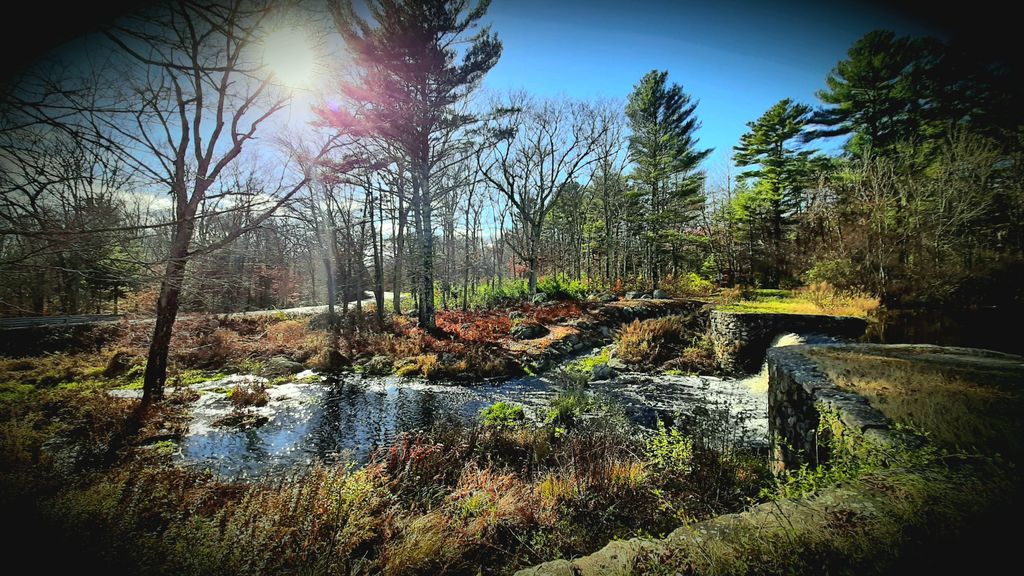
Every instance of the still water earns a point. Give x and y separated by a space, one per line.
348 417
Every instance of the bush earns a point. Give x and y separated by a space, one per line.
502 415
650 341
558 289
245 395
689 285
669 450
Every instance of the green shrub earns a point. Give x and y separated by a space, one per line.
558 289
502 415
688 285
669 450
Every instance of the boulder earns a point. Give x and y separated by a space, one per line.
602 372
528 331
660 294
645 296
633 295
118 364
379 365
281 366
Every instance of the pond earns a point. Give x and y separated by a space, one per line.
990 328
347 417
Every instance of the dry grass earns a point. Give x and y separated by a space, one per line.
818 298
959 402
649 342
246 395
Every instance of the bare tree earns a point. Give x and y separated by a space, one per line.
199 96
541 147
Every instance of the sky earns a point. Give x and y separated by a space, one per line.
736 58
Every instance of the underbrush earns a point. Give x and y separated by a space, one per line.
651 342
489 498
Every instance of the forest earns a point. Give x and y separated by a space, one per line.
184 168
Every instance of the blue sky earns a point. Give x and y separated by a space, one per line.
737 58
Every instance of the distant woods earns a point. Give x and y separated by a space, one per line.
114 193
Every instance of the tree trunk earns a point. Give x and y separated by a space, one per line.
535 231
403 216
377 242
426 310
166 313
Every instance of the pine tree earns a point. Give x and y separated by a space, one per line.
417 61
868 94
781 167
662 148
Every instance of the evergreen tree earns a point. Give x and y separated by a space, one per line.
780 167
663 149
868 94
417 62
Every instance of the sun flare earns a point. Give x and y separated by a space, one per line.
290 56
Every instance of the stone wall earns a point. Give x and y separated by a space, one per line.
798 394
740 339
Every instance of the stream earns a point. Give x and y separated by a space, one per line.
348 416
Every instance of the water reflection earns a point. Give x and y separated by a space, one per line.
349 417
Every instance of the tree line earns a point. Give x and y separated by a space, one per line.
157 175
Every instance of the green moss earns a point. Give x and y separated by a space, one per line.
15 392
190 377
502 415
586 364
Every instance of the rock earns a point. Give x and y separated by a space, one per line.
660 294
645 296
281 366
528 331
632 295
243 419
602 372
539 298
606 298
616 364
118 364
379 365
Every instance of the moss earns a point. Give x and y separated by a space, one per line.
15 392
586 364
502 415
190 377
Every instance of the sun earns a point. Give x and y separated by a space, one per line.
289 55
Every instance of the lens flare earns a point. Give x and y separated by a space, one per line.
290 56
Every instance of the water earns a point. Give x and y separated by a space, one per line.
348 417
989 328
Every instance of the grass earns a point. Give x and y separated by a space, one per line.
961 401
484 499
814 299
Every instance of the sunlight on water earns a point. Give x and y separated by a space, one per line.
349 417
